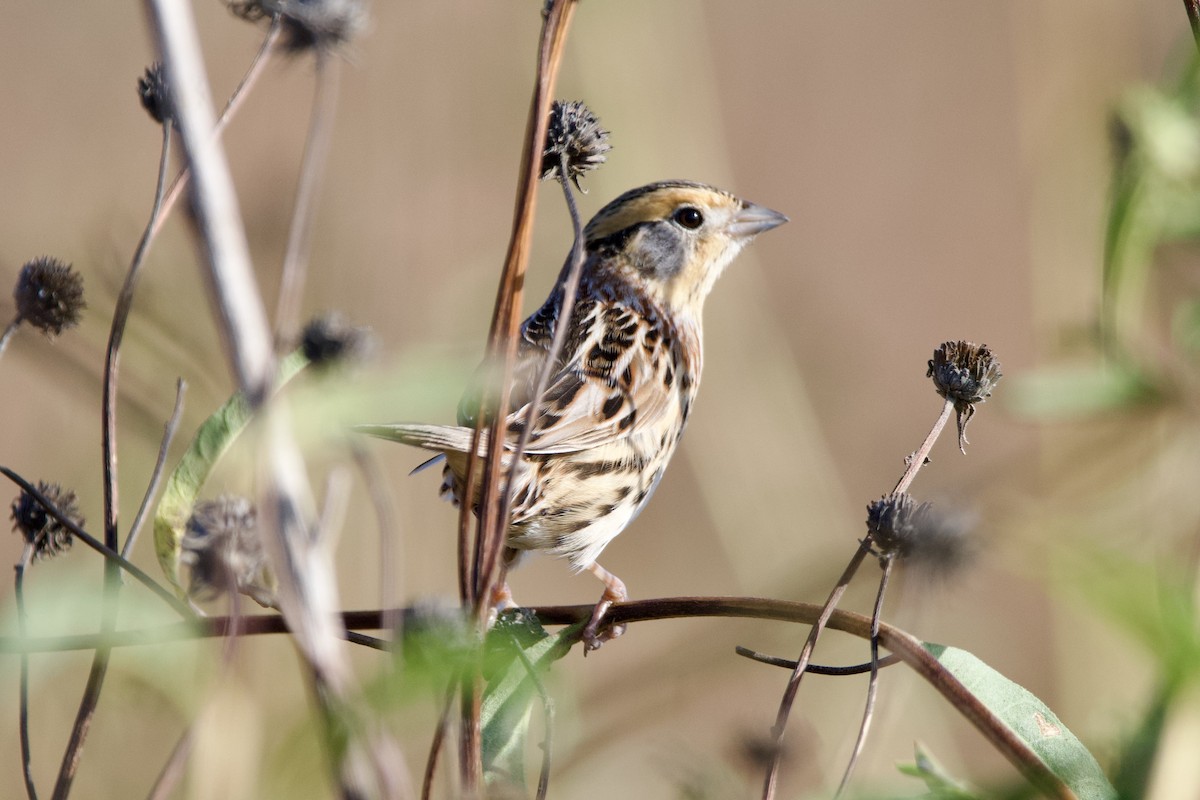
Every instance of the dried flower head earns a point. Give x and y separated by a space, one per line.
222 550
921 534
49 295
308 23
965 373
329 339
48 536
575 137
155 93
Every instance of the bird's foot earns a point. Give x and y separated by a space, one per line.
501 600
614 592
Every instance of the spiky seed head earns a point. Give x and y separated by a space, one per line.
48 536
308 24
966 374
329 339
155 93
222 550
574 134
919 533
49 295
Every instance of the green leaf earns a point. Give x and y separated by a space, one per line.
941 785
212 440
1030 720
513 689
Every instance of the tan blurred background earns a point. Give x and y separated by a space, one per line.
945 166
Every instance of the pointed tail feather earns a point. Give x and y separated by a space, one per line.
441 438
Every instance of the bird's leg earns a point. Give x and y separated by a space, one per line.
501 600
614 592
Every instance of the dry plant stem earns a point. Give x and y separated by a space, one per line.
312 170
1193 12
906 647
789 693
501 348
307 587
502 336
23 691
915 462
873 684
816 669
172 772
169 431
8 333
242 319
240 93
917 459
94 543
389 540
112 578
439 739
570 289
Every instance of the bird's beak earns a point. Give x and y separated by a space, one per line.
753 220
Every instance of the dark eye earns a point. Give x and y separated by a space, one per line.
689 217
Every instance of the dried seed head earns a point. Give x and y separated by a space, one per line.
49 295
308 23
965 373
222 550
574 134
48 536
329 339
921 534
155 94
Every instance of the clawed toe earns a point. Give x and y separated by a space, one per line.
594 634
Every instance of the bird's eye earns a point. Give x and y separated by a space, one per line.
689 217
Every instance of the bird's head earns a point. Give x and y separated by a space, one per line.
674 238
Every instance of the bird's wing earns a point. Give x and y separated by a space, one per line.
619 380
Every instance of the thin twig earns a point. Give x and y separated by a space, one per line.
390 541
312 170
501 350
303 569
815 669
221 237
570 289
438 740
23 691
94 543
873 684
8 332
112 541
1193 12
172 772
240 93
169 430
917 459
906 647
789 693
914 464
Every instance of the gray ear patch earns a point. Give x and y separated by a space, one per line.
660 249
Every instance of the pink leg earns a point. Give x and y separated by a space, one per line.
614 592
501 600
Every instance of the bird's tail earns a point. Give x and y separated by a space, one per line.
440 438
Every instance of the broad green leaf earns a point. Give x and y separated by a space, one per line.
212 440
512 693
1031 721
